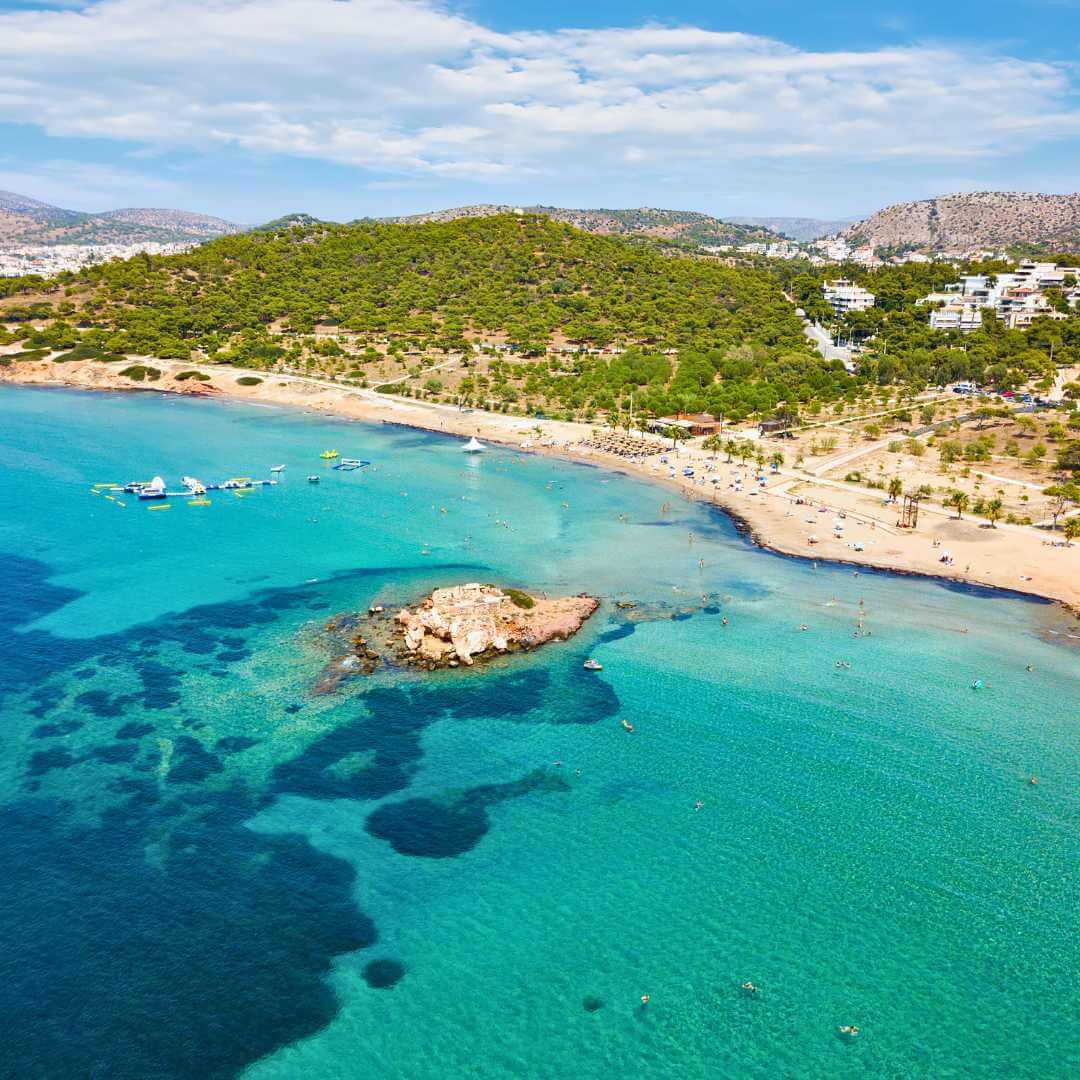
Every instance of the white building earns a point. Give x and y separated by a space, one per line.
1017 298
844 296
957 315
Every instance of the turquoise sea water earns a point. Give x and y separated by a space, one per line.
210 871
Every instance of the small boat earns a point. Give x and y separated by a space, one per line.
328 455
196 487
627 725
277 468
473 446
312 479
593 665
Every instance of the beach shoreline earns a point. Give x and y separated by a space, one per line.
771 516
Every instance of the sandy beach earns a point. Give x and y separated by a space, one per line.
794 512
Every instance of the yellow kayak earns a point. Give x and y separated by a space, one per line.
161 506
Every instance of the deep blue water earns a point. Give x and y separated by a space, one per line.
209 869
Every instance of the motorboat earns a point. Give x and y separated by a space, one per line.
194 486
313 479
473 446
593 665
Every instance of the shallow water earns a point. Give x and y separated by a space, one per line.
208 867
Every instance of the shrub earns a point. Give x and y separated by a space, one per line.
248 380
88 352
520 599
29 354
198 376
141 373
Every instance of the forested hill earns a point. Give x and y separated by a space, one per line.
529 278
520 296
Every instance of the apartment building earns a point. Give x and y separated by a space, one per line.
844 296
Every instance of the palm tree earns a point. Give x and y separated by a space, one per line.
732 447
776 459
959 501
896 488
1072 529
745 452
993 512
676 435
714 444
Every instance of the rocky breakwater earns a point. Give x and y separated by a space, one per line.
465 623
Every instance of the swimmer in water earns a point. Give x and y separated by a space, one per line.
749 987
723 621
644 999
1033 781
849 1029
698 805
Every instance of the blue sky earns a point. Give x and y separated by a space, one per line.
253 108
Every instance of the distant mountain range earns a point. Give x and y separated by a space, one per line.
677 226
984 219
802 229
25 221
951 222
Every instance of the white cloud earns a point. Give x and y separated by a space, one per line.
411 89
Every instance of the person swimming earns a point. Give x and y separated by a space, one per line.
698 805
849 1029
749 987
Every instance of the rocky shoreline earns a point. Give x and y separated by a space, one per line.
454 627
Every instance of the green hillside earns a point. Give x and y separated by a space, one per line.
697 334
